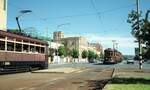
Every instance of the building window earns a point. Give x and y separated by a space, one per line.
4 5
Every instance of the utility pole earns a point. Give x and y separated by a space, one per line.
58 37
116 46
113 41
114 54
140 46
22 13
17 19
46 33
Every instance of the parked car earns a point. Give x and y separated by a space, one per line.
130 61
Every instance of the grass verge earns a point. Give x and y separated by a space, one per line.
128 87
130 81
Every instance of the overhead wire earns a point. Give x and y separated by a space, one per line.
78 15
93 13
98 14
96 10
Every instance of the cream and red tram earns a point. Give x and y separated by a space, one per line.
21 51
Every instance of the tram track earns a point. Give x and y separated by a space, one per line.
16 70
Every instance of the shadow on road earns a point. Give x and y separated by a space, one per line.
97 84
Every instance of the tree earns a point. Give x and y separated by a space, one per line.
96 56
143 31
91 56
132 19
74 53
84 54
62 51
17 31
14 31
147 54
101 55
146 29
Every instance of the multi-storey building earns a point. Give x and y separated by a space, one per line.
80 43
3 14
96 47
58 35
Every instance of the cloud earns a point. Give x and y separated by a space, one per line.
106 41
126 45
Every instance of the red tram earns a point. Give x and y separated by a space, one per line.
112 56
21 51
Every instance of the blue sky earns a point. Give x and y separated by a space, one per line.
98 20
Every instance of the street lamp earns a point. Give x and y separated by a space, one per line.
58 26
22 13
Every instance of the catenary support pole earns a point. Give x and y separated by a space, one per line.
140 46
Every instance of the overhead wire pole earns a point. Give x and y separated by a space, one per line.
17 19
139 38
22 13
113 41
114 44
57 37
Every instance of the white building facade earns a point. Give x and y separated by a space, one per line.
3 15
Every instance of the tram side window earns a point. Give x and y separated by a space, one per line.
18 47
2 45
42 50
25 48
32 48
10 46
111 53
2 37
37 49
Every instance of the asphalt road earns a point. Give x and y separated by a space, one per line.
93 77
124 65
56 81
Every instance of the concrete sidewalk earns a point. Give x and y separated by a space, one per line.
131 73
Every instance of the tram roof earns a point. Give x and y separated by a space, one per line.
9 34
